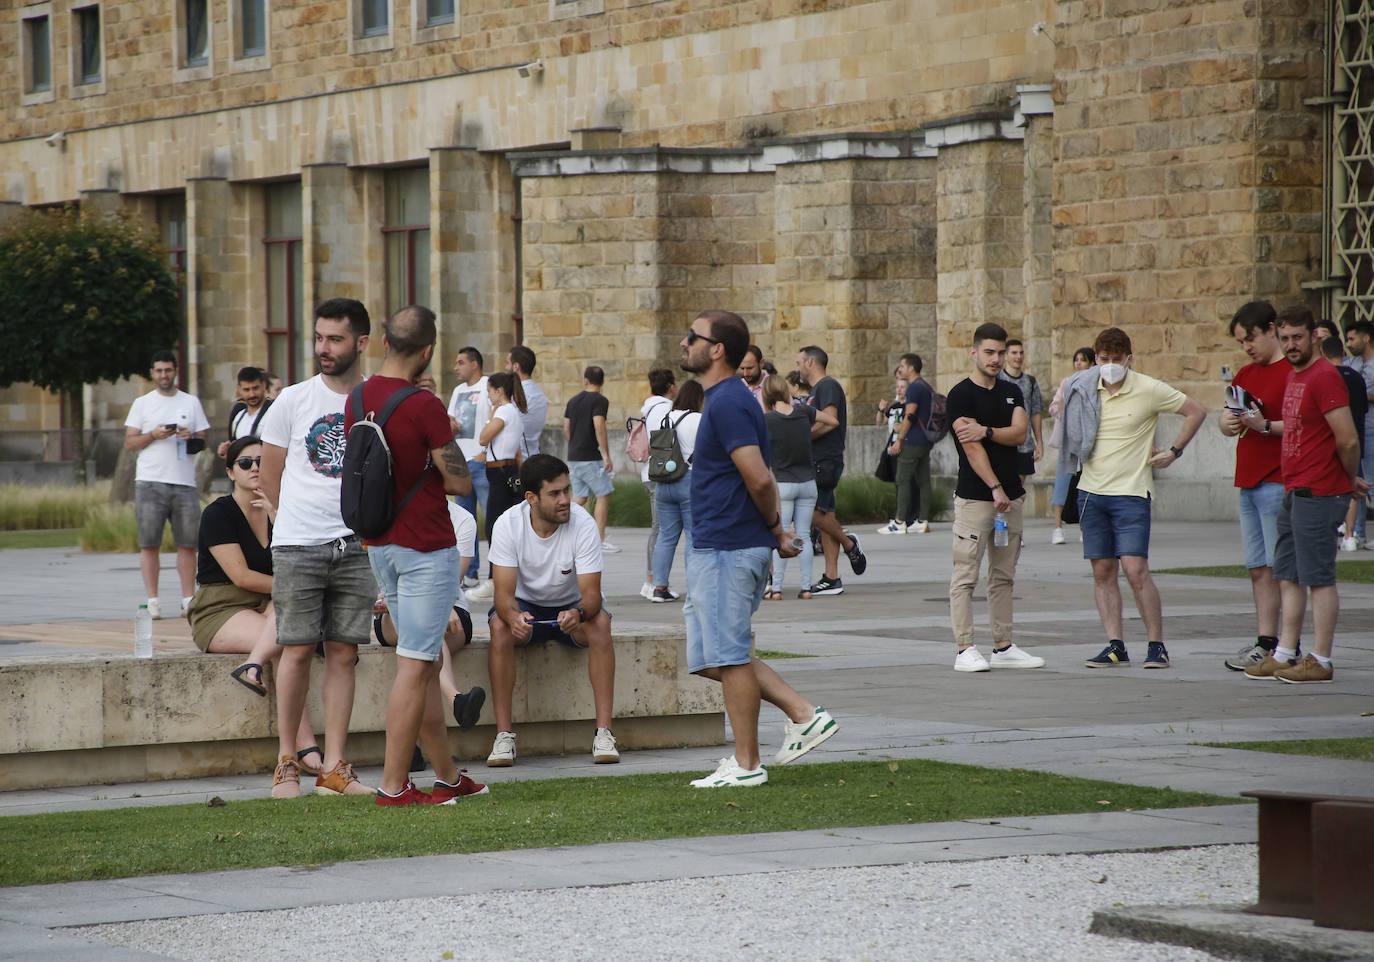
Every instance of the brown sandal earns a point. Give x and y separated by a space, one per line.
772 595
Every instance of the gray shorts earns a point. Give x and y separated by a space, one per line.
1305 551
323 592
156 503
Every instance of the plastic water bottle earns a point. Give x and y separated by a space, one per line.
999 530
143 632
182 421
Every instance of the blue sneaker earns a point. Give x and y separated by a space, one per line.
1111 656
1157 656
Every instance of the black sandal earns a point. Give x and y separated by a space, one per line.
310 769
257 687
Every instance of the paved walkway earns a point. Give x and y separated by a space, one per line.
881 656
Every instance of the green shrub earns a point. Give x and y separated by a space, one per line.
629 505
33 507
863 498
114 529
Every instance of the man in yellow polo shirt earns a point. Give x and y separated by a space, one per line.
1117 486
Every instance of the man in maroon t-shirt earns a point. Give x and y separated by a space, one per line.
415 561
1321 460
1257 466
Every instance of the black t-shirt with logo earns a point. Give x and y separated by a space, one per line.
580 411
991 407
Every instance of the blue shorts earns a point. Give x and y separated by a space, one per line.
724 589
1306 548
1114 525
420 588
1259 513
545 632
589 477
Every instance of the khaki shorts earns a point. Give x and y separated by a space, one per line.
213 605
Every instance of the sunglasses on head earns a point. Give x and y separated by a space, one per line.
246 463
693 337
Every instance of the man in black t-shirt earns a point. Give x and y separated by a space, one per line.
988 419
589 456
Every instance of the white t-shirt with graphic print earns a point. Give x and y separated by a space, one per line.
308 420
471 408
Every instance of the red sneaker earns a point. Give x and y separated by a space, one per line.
444 792
411 796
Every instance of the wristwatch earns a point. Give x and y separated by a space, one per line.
1178 452
987 435
581 614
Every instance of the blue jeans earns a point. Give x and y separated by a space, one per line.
1061 488
796 501
1259 519
478 496
674 499
724 589
420 588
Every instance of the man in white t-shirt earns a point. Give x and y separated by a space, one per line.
520 362
663 388
469 409
167 428
546 568
322 584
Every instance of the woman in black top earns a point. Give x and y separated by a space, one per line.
789 434
232 612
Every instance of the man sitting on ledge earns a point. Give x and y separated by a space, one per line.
546 573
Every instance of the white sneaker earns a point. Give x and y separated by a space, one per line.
730 775
502 751
609 548
970 659
1349 544
798 738
154 609
603 748
1014 657
1057 536
470 583
186 604
918 527
892 527
482 590
646 591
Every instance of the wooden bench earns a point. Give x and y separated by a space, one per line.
1316 858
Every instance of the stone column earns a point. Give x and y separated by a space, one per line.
223 318
337 230
1049 360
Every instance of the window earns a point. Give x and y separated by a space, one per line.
432 20
197 33
369 25
290 344
171 228
38 50
437 12
252 27
376 20
406 234
89 60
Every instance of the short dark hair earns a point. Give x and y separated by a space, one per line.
163 357
661 380
1112 341
816 354
798 379
913 361
989 332
523 358
755 350
690 397
594 375
347 308
1252 317
247 375
1296 317
1086 353
731 332
473 355
1015 342
411 330
236 448
1331 329
538 470
1332 348
1362 327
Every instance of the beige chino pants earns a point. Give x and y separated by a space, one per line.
973 522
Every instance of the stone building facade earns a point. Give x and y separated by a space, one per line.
875 176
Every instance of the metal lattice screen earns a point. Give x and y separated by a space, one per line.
1350 55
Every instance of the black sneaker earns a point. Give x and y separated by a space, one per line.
662 596
828 586
1110 657
468 705
1157 656
857 561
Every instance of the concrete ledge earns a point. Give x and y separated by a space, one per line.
82 720
1233 933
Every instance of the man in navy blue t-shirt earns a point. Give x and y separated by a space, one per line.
736 525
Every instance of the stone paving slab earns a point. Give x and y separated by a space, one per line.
1233 933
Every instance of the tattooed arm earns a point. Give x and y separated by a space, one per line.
453 468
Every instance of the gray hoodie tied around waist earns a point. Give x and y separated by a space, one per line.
1082 411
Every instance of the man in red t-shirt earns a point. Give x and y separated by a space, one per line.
1258 474
415 561
1321 460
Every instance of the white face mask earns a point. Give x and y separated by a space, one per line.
1113 373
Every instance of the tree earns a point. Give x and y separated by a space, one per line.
82 299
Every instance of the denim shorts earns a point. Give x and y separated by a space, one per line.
545 632
156 503
589 477
723 592
1259 513
322 592
1114 525
420 588
464 621
1306 547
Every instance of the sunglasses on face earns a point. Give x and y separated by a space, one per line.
693 337
246 463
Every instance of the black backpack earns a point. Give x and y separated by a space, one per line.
367 496
666 463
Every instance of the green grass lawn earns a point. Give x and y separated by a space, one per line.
1351 749
767 653
1351 572
53 538
70 846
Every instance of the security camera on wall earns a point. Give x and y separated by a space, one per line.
530 69
58 140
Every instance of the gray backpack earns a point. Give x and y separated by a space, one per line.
666 463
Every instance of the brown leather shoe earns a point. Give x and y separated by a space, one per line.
341 781
286 780
1265 670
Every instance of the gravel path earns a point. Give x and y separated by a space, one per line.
1023 908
